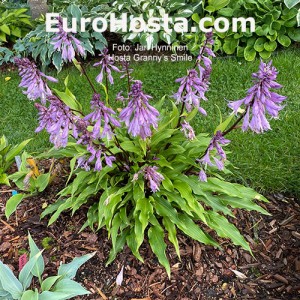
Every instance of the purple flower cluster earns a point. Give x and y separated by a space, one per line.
219 158
102 114
193 87
153 177
33 80
139 115
95 154
66 43
57 119
107 64
188 131
260 99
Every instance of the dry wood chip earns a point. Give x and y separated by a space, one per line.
281 278
101 294
197 252
286 221
296 234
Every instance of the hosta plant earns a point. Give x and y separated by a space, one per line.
40 44
59 287
276 25
144 172
14 24
7 157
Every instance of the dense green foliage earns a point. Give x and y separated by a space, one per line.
14 24
7 157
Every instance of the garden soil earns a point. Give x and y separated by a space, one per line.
204 272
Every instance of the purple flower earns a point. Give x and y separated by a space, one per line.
33 80
103 118
66 43
95 156
260 100
188 131
191 91
194 86
139 115
219 157
57 119
153 177
107 64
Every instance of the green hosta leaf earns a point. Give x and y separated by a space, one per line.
9 282
226 230
158 246
5 29
4 179
64 289
131 147
218 4
171 228
149 40
12 204
230 45
265 54
30 295
249 53
270 46
16 150
291 3
259 44
69 270
42 181
226 12
39 267
223 126
48 283
132 240
26 273
121 240
68 100
284 40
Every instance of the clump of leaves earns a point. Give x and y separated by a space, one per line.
57 287
145 172
7 157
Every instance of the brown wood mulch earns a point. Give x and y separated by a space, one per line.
203 273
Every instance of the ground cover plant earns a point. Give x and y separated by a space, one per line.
138 178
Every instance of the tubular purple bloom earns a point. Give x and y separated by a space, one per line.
260 100
57 119
215 144
107 64
139 115
103 118
188 131
194 86
153 178
33 80
66 43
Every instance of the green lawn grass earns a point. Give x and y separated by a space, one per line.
268 162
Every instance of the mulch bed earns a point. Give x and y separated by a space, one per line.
203 273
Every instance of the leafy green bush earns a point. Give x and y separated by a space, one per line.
7 157
38 43
145 171
55 287
158 8
14 24
291 4
275 25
